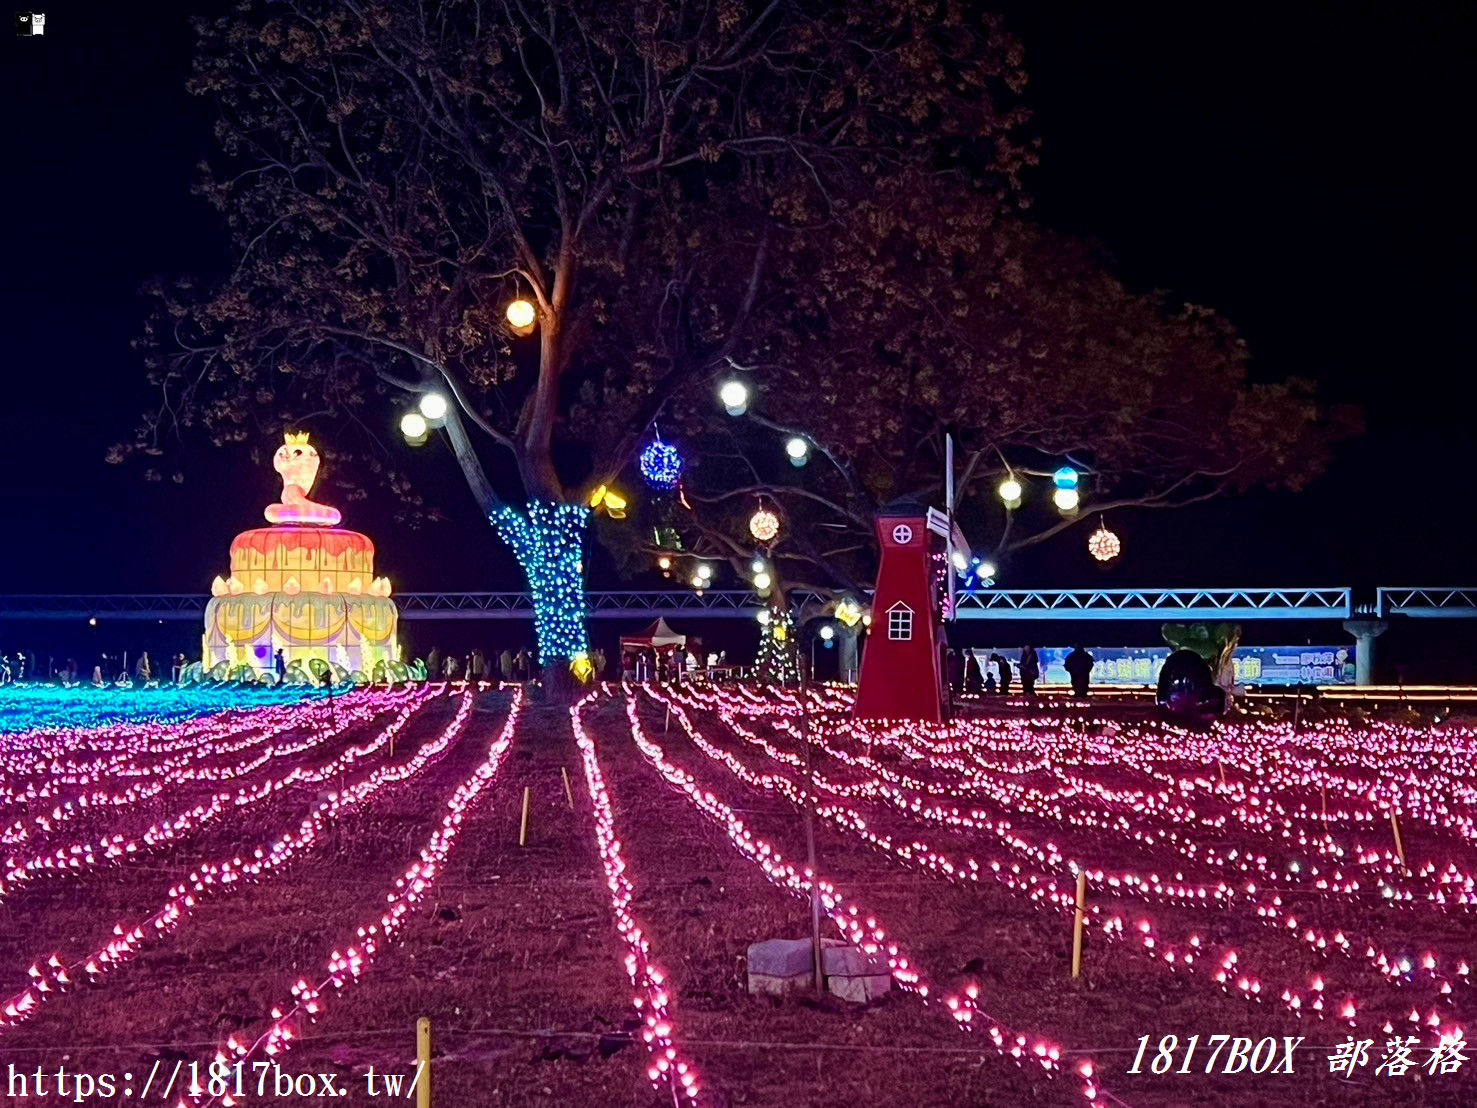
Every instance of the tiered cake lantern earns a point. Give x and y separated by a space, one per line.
303 586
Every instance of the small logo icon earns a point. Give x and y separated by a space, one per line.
902 534
30 23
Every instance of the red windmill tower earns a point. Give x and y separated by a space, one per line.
903 675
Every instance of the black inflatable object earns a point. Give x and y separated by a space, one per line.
1186 688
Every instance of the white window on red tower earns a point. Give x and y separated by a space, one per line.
900 621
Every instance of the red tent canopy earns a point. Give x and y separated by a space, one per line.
658 636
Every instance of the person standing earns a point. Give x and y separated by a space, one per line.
478 666
1002 663
450 667
1030 669
505 664
520 665
279 663
433 663
141 668
1078 665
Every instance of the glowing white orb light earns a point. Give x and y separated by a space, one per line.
764 525
1010 490
413 426
521 314
1066 499
734 396
433 406
1103 545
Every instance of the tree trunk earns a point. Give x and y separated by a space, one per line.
548 539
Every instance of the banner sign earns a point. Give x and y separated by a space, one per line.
1255 665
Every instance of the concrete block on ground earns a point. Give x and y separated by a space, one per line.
854 975
779 967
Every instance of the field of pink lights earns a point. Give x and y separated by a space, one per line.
297 882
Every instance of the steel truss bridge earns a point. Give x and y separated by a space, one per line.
994 604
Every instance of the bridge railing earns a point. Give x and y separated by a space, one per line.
1427 603
1120 604
995 604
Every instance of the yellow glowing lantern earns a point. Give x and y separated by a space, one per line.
521 315
613 502
764 525
581 666
1103 545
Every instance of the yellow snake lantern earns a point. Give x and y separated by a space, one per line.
303 586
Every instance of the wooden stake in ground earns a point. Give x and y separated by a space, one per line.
1077 917
568 792
1222 766
423 1062
815 895
1399 843
523 827
1323 793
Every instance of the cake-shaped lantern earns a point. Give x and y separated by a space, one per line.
304 586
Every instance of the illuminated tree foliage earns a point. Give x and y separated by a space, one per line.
1033 355
675 185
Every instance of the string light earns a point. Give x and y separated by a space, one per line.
1010 491
1066 499
764 525
661 464
653 1002
1268 771
1103 545
733 394
797 449
548 540
349 961
777 662
414 427
521 315
433 406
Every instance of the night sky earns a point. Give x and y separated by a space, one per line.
1302 171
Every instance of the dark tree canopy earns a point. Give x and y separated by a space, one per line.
1033 355
672 183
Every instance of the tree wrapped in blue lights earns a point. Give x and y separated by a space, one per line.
548 539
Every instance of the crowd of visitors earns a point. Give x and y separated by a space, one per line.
995 674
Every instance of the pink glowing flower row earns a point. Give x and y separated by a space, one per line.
653 1000
348 962
856 926
117 845
51 976
1242 982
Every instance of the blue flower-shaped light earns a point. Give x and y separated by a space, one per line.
661 465
1065 478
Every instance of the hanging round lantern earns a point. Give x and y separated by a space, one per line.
764 525
1103 545
661 464
1065 478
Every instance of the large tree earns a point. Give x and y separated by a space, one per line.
678 187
